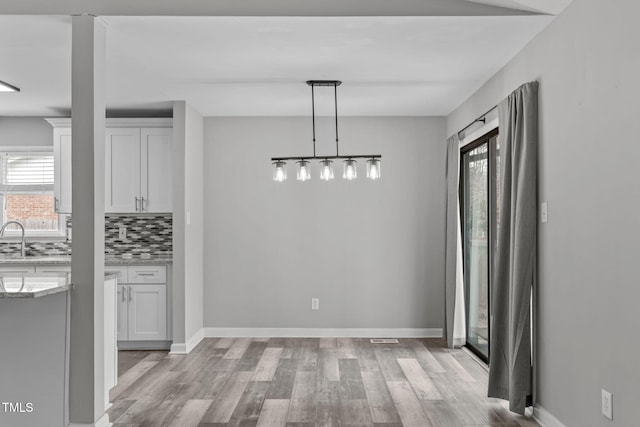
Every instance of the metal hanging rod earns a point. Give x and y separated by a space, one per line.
334 84
480 118
358 156
324 83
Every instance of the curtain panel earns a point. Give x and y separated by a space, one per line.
454 284
510 362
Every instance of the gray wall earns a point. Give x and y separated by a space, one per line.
25 131
373 252
194 238
187 234
588 65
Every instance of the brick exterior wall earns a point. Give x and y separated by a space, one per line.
35 211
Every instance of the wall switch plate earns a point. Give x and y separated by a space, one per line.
544 214
122 233
607 404
315 303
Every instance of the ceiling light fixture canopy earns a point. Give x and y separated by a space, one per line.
326 164
6 87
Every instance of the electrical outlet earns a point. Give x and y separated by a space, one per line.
607 404
315 303
544 213
122 233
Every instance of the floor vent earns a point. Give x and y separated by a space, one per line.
384 341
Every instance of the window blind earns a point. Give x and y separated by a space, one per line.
28 169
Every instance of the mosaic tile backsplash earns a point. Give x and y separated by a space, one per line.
147 236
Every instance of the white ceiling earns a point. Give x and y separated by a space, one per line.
553 7
422 65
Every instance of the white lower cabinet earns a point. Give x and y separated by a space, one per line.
142 307
110 344
122 305
142 312
18 269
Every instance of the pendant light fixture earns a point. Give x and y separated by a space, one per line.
304 170
350 171
279 171
326 170
373 169
303 166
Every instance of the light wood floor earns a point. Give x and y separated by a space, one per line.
305 382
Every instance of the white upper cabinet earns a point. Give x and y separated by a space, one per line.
138 170
122 170
62 169
156 180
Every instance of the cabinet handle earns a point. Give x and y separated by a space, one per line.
137 204
146 274
142 205
124 294
56 204
130 295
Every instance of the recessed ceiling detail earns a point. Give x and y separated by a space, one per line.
553 7
259 8
240 66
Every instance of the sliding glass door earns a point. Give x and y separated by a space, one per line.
479 197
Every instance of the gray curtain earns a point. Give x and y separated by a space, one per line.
510 365
454 297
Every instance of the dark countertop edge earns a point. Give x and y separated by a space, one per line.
36 294
138 261
108 261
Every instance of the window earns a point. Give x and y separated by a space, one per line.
480 213
26 193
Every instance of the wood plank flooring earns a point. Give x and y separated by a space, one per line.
306 382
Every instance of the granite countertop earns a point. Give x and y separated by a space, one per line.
112 275
137 260
66 260
33 285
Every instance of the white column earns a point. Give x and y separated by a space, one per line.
187 227
179 226
86 368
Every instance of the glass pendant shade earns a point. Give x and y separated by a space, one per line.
373 169
279 171
326 170
304 170
350 170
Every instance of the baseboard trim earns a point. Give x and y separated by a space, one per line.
102 422
544 417
185 348
144 345
323 332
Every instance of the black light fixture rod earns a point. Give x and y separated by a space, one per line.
358 156
8 86
313 118
335 97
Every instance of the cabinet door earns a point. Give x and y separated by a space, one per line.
62 169
18 269
148 313
110 328
122 303
147 274
122 170
156 179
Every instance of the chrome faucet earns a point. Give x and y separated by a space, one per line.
24 243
